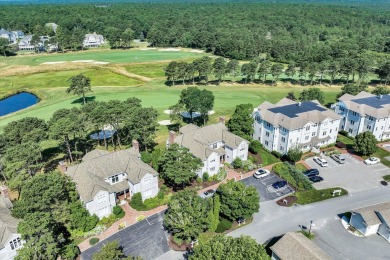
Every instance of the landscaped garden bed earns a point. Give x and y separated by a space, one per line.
287 201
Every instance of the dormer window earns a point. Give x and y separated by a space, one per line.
15 243
115 179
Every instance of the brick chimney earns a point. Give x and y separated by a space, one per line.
222 119
172 136
135 144
4 191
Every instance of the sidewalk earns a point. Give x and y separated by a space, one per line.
131 215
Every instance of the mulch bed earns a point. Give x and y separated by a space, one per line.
257 157
290 201
176 247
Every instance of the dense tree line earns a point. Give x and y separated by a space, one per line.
287 32
344 70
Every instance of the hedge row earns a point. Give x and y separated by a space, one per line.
293 176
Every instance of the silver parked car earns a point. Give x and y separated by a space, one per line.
338 158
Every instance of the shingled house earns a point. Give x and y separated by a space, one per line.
102 176
365 112
372 220
10 240
289 124
213 144
295 246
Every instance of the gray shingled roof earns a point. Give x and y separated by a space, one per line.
370 216
295 246
3 31
8 225
199 139
367 104
90 174
300 116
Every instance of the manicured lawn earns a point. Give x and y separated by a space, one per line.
267 157
311 196
348 141
300 167
151 70
112 56
56 79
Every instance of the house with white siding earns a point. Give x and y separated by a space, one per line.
102 176
364 112
11 36
373 219
213 144
289 124
10 240
93 40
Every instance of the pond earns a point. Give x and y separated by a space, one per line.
17 102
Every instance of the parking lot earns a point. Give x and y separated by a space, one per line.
353 175
265 189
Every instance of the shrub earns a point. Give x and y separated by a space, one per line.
140 218
199 180
177 240
220 175
146 157
136 202
118 212
237 163
223 225
164 188
294 154
277 154
344 133
206 176
93 241
248 165
160 195
255 147
108 221
293 176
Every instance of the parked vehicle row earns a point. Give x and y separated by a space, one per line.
261 173
313 175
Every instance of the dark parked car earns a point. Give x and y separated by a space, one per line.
316 179
208 193
312 172
279 184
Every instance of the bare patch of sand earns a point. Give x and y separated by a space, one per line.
52 62
197 51
147 49
168 112
169 49
211 112
165 122
83 61
101 62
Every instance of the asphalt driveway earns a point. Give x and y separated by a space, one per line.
353 175
146 239
265 189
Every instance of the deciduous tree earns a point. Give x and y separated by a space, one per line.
80 85
241 121
312 94
365 143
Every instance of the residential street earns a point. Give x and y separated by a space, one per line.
274 221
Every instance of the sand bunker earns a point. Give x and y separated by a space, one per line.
165 122
53 62
169 49
101 62
211 112
197 51
147 49
168 112
82 61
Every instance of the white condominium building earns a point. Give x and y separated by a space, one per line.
365 112
289 124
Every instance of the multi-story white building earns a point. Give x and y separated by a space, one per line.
289 124
213 144
365 112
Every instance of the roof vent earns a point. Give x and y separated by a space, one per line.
299 104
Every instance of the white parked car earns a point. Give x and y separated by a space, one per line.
372 160
260 173
338 158
321 161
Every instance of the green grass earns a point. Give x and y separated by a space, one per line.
267 157
300 167
311 196
310 235
151 70
112 56
50 81
386 178
346 140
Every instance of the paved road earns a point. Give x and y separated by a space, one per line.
275 221
145 239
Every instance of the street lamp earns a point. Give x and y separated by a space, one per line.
311 224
